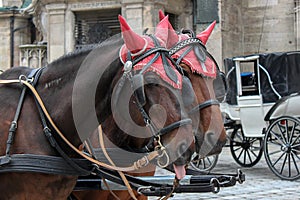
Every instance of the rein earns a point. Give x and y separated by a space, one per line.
138 164
203 105
128 66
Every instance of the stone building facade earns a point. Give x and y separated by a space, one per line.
258 26
243 26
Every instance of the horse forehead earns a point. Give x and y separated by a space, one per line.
149 45
157 66
207 67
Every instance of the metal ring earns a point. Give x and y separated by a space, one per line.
216 184
143 188
164 153
22 77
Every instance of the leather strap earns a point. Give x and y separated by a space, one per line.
126 182
138 164
45 164
205 104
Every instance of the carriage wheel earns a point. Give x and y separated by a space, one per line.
246 151
282 147
205 164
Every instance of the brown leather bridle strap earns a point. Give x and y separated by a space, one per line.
110 191
137 164
126 182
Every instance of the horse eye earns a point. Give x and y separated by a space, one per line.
152 84
185 73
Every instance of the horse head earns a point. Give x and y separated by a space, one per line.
155 99
199 66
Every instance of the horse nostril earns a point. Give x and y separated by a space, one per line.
210 138
182 149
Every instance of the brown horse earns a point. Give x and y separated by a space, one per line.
211 123
113 130
200 67
77 91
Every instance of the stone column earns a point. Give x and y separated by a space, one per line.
132 10
5 41
297 24
56 36
151 9
69 30
14 31
142 14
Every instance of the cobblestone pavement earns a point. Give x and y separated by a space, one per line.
260 183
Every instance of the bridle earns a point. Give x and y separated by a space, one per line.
191 44
136 81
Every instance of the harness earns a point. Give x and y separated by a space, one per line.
38 163
136 80
200 54
87 165
30 81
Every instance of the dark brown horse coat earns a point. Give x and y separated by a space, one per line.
63 86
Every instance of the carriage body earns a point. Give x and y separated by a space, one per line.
262 91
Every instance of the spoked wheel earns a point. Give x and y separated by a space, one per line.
282 147
246 151
205 164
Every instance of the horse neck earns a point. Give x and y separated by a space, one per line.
69 89
55 88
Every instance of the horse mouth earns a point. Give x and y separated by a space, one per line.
180 171
179 166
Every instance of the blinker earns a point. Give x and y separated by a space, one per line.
138 88
188 95
220 86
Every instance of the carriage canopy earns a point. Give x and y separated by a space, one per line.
279 70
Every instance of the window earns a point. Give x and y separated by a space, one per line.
92 27
205 11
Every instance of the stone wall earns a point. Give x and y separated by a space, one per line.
269 26
257 26
214 43
21 36
11 3
245 26
140 14
232 28
4 42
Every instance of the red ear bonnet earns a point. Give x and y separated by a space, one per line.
137 45
171 38
161 15
161 30
133 41
203 36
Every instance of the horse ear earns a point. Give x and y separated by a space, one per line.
203 36
166 32
161 30
161 15
134 42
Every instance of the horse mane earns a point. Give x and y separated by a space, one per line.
73 60
69 56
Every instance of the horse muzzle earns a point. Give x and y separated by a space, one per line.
209 145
